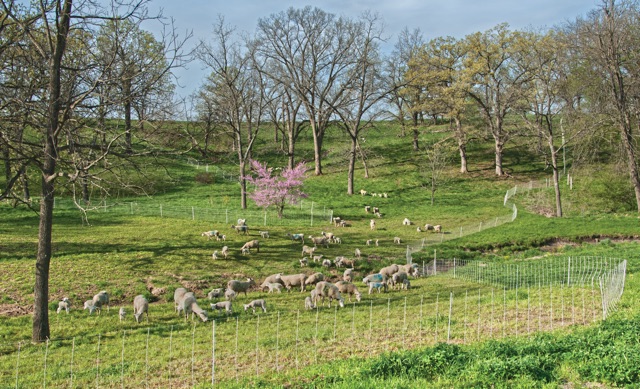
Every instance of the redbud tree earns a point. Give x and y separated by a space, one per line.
276 191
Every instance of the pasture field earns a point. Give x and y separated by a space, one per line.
386 339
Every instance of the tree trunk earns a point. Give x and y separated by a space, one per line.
291 149
243 185
364 162
462 146
352 165
627 140
556 179
317 151
433 190
499 149
415 138
7 162
26 195
127 114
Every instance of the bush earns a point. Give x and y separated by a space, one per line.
205 178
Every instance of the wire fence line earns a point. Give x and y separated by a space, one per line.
247 348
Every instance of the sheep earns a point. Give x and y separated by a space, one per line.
189 305
241 228
252 244
308 250
275 286
225 251
428 227
372 224
308 303
326 289
376 210
377 277
347 275
377 285
294 280
264 234
256 304
272 279
317 258
211 234
369 241
326 263
295 237
406 222
89 304
319 240
215 293
339 261
390 270
410 268
385 195
222 305
304 262
215 255
397 280
377 242
437 228
378 214
241 286
223 238
242 222
122 313
314 279
348 288
177 297
140 306
343 223
367 208
230 295
64 304
358 253
363 192
396 240
337 240
336 221
101 298
418 229
328 235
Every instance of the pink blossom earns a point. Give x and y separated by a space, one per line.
277 190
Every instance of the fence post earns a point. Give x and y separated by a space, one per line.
193 214
450 310
160 210
213 353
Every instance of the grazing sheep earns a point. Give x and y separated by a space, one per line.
189 305
100 299
215 293
418 229
385 195
256 304
272 279
377 242
241 228
328 235
140 306
211 234
372 224
348 288
230 295
319 240
275 286
89 304
410 268
337 240
317 258
326 263
252 244
308 303
363 192
377 285
64 304
177 297
264 234
406 222
223 238
376 210
215 255
347 275
225 306
378 214
437 228
369 241
295 237
367 208
343 223
377 277
396 240
397 280
336 221
339 261
242 222
314 279
304 262
326 289
294 280
428 227
225 251
358 253
390 270
241 286
308 250
122 313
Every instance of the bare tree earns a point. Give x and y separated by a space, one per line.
434 170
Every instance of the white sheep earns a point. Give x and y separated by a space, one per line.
122 313
308 303
225 306
376 210
347 275
225 251
252 244
178 295
396 240
350 289
319 240
367 208
363 192
428 227
242 222
317 258
101 298
314 278
358 253
326 289
326 263
140 306
397 279
377 277
406 222
275 286
390 270
385 195
264 234
377 285
256 304
223 238
230 295
294 280
308 250
337 240
336 221
437 228
295 237
272 279
372 224
189 305
418 229
241 286
304 262
378 214
369 241
215 255
64 304
328 235
215 293
377 242
91 307
241 228
411 269
211 234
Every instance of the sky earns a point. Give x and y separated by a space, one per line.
456 18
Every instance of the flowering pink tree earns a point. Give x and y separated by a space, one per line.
277 190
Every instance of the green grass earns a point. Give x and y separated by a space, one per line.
128 254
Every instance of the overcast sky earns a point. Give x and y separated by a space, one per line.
456 18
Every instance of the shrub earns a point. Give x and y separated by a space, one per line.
205 178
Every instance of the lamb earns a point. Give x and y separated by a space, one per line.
428 227
397 280
357 253
223 238
225 251
348 288
64 304
222 305
377 242
406 222
189 305
319 240
177 297
211 234
90 305
295 237
308 250
264 234
390 270
348 275
215 255
314 279
336 221
377 277
241 228
385 195
317 258
252 244
256 304
406 284
241 286
337 240
377 285
308 303
122 313
363 192
326 289
396 239
410 268
100 299
326 263
368 242
294 280
376 210
242 222
418 229
275 286
230 295
437 228
339 262
343 223
367 208
215 293
372 224
140 306
304 262
272 279
378 214
329 235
